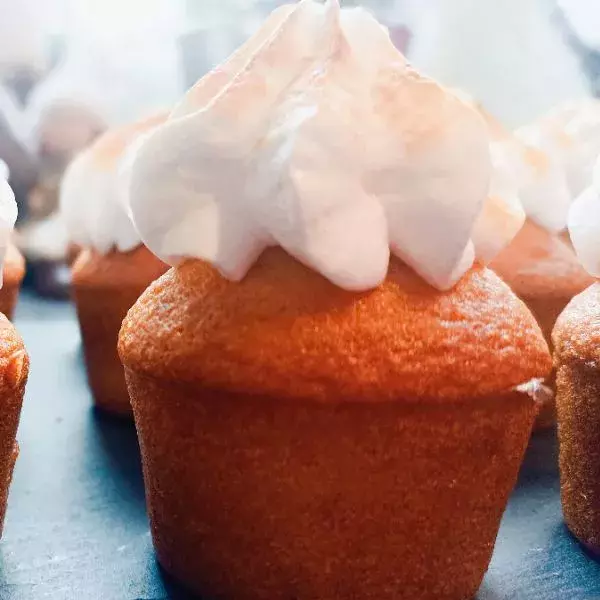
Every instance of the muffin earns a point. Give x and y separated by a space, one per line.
543 270
14 364
540 264
317 419
113 267
14 263
12 275
576 339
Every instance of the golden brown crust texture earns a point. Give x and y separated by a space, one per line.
576 335
285 331
104 288
578 404
14 370
14 271
251 498
543 270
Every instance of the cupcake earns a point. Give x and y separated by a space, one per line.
113 267
14 263
576 339
14 363
317 418
540 264
12 275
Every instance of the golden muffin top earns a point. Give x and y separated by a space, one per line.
576 335
14 266
539 264
136 268
286 331
14 360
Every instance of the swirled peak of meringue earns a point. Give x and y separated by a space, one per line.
531 182
316 136
92 191
584 225
567 142
502 215
8 217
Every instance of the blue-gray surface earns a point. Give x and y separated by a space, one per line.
76 527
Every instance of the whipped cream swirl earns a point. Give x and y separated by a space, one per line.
584 225
562 148
318 137
8 214
93 189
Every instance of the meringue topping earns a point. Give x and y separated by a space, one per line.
92 193
584 225
563 147
317 136
8 216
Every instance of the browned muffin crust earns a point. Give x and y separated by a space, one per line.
338 494
577 359
576 336
14 370
251 498
543 270
286 331
578 408
104 287
14 271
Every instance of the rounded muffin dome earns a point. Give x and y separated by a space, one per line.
538 263
286 331
576 335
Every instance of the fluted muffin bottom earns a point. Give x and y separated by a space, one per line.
578 404
104 287
257 498
12 276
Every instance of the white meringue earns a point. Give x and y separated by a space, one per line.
8 218
568 139
584 225
318 137
92 192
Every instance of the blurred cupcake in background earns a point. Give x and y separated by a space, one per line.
113 267
577 359
14 264
569 135
107 77
14 362
550 161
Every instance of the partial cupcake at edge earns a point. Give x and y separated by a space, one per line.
332 394
13 271
550 161
14 363
576 339
113 267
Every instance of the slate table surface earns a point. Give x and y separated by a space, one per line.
76 527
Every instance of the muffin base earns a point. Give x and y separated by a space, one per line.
15 369
104 288
7 468
13 274
578 404
256 498
9 296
